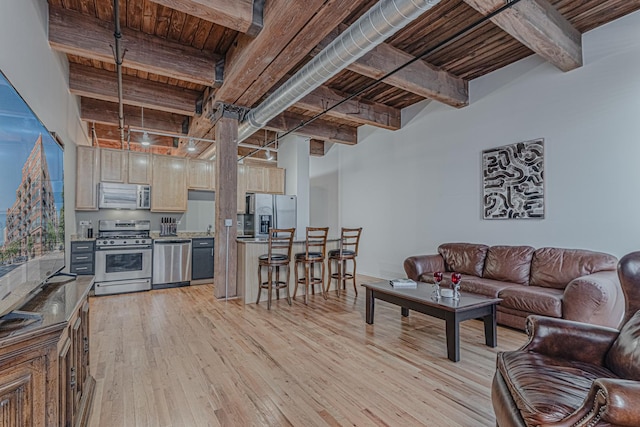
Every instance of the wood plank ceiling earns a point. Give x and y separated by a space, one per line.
183 54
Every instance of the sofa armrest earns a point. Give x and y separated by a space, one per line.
568 339
417 265
595 298
610 400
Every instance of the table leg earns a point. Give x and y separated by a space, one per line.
369 306
490 329
404 311
453 337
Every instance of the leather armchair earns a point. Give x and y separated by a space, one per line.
574 374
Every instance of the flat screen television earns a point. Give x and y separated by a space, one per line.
31 201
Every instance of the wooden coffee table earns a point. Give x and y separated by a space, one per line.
470 306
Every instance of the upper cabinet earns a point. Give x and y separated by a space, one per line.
201 175
241 189
259 179
274 180
87 177
139 168
169 184
254 179
113 165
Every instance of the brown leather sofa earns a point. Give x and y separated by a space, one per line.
571 284
574 374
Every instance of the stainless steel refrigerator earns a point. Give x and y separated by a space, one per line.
266 211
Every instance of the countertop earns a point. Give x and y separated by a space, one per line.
55 302
266 240
154 235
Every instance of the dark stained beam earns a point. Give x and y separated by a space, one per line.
249 57
318 129
101 84
78 34
539 26
319 25
111 133
104 112
420 77
357 110
240 15
316 148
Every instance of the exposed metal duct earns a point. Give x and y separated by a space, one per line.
378 24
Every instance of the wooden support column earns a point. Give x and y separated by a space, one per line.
226 118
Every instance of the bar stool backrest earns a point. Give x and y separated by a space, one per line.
350 240
316 240
280 242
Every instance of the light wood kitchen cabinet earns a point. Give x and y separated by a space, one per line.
113 165
169 184
274 180
140 171
87 178
200 175
254 179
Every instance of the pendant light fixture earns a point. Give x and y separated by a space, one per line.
191 147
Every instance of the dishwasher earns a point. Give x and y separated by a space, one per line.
171 263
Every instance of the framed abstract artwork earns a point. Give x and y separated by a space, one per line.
513 181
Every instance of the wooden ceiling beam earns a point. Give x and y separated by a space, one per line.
420 78
83 35
239 15
316 148
309 35
539 26
249 57
318 129
111 133
102 84
104 112
357 110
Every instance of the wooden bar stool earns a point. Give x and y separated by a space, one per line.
279 256
315 251
349 241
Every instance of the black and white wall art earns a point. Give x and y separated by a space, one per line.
513 181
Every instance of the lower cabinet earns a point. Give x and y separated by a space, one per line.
201 260
44 366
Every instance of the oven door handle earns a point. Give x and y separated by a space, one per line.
120 248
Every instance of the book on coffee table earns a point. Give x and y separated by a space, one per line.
403 283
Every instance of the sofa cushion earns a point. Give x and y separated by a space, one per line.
624 356
533 299
555 267
545 389
482 286
508 263
465 258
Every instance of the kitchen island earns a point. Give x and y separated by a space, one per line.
249 249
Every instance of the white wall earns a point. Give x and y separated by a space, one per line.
293 155
40 76
324 183
420 186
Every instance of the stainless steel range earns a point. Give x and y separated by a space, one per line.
123 256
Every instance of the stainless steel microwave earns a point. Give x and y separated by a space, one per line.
124 196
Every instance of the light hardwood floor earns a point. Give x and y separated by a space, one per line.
179 357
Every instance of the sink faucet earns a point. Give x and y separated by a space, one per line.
209 230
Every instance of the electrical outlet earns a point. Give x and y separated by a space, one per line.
228 223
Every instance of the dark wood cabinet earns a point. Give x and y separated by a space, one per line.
44 364
201 260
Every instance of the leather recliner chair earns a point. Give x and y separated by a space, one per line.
574 374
